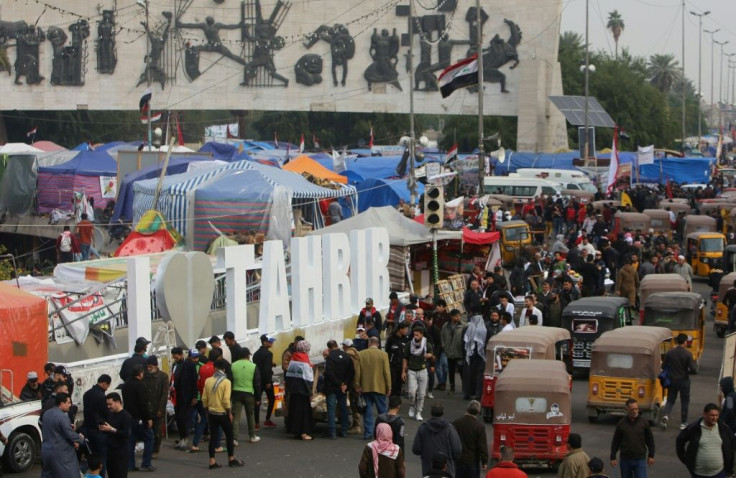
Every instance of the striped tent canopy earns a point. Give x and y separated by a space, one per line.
57 184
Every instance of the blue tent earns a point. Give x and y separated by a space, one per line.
380 167
124 204
679 170
323 159
83 173
221 151
89 163
375 192
516 160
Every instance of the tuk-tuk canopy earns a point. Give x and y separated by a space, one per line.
633 220
540 339
652 283
596 306
660 219
533 392
693 221
674 201
633 352
674 310
726 282
599 204
675 207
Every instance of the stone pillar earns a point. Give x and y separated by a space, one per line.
541 127
139 300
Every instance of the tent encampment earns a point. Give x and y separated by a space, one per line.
304 164
89 172
151 235
376 192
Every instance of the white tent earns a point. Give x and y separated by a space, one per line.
18 148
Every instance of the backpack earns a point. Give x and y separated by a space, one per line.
66 243
728 415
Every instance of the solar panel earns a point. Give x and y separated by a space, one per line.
573 107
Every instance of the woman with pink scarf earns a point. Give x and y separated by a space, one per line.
382 458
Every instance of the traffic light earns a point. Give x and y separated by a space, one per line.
434 206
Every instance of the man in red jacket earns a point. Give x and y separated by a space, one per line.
506 468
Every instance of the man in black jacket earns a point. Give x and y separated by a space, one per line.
117 430
679 363
263 358
138 358
472 433
395 345
135 400
185 391
635 440
705 446
339 375
95 414
394 420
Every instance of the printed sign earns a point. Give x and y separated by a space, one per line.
109 186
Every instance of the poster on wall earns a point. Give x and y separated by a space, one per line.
109 186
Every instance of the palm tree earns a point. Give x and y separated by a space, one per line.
663 71
572 44
616 25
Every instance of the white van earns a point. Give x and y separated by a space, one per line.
520 188
567 178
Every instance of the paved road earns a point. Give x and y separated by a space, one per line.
279 455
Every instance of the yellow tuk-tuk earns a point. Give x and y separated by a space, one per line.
652 283
660 221
533 412
625 364
516 238
547 343
720 319
705 251
682 313
698 224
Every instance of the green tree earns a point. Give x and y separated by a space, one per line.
616 25
663 71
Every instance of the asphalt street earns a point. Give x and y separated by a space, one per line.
278 454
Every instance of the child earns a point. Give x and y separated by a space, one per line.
95 466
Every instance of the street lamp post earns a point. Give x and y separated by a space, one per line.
712 56
700 70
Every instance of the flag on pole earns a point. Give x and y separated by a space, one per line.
613 167
229 133
452 153
32 132
154 117
494 258
301 144
668 189
460 75
645 155
145 100
315 141
719 148
626 199
370 141
276 140
288 153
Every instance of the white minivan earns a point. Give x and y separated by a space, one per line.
567 178
520 188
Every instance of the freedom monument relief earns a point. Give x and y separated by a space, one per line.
318 55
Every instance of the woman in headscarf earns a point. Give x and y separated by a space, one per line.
382 458
299 381
475 355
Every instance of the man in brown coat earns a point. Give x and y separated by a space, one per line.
373 381
575 464
156 382
355 428
472 433
627 282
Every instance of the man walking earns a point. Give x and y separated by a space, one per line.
575 464
246 386
157 384
472 433
117 429
60 441
263 358
705 446
452 346
184 372
679 363
373 381
394 420
216 400
416 354
634 439
437 435
339 375
395 347
138 358
235 348
85 230
683 268
355 424
67 245
95 414
135 400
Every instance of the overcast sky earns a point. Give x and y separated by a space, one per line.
655 27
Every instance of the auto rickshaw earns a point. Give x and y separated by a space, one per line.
538 342
625 365
709 207
698 224
676 207
584 197
630 220
652 283
533 412
614 204
705 251
588 318
720 319
682 313
516 238
660 221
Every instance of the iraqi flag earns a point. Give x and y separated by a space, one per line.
613 166
452 153
301 144
370 141
145 100
460 75
154 117
315 141
32 131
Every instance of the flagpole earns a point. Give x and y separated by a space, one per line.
148 77
479 54
412 149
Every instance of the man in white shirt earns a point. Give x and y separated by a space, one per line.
507 322
585 244
505 305
530 315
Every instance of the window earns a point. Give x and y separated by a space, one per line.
572 186
548 191
531 405
588 187
516 233
714 244
585 326
671 319
620 361
526 191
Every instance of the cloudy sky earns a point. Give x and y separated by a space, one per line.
655 27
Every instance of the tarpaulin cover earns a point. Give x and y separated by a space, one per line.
222 151
124 202
239 202
379 167
305 164
18 185
150 235
48 146
101 270
23 335
472 237
679 170
376 192
57 184
402 231
517 160
18 148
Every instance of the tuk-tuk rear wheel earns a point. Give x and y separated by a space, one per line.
487 414
720 332
593 419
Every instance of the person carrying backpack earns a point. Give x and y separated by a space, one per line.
67 245
728 403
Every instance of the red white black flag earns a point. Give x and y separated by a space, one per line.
460 75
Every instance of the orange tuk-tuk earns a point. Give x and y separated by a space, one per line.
547 343
533 412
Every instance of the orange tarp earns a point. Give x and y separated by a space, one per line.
305 164
23 335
